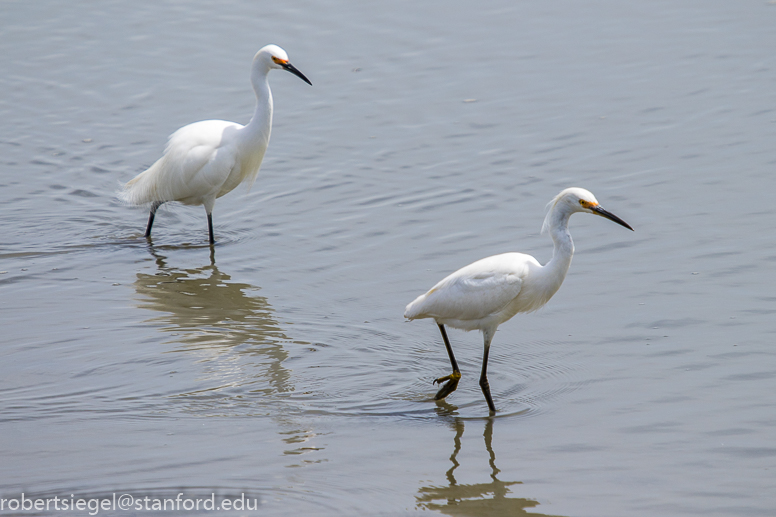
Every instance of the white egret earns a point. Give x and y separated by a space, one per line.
489 292
207 159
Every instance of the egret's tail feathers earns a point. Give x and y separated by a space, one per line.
414 309
130 194
144 188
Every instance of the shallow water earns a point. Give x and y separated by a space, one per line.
278 365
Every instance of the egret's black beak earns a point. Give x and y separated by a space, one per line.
291 68
598 209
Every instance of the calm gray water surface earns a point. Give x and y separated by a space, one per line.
434 135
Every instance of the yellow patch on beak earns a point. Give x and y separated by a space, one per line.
280 61
587 204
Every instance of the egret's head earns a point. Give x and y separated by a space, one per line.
577 199
272 56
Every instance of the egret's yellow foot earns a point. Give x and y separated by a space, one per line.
450 384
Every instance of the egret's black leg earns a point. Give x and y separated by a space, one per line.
484 385
453 362
151 216
450 381
210 227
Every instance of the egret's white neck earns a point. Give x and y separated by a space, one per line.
261 122
558 227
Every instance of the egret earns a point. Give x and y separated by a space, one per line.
207 159
490 291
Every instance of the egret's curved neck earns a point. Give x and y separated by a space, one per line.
261 123
558 227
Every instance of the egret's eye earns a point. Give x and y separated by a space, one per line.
586 204
279 61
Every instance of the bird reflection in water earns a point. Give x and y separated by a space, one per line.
227 326
478 499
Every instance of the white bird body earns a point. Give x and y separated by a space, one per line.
206 160
490 291
486 293
202 162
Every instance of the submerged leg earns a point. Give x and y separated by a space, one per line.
451 381
484 385
154 207
210 227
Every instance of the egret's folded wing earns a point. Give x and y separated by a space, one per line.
473 297
198 160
